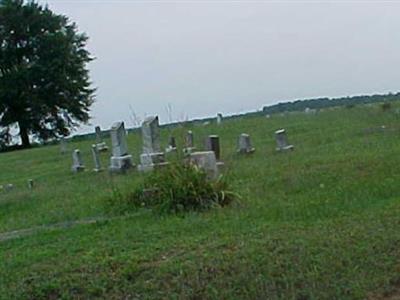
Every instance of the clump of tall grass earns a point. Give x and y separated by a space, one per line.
178 188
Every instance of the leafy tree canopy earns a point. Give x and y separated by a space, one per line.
44 81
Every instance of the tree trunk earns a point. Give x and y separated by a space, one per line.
23 133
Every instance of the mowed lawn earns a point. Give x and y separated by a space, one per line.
321 222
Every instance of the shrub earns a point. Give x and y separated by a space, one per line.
180 188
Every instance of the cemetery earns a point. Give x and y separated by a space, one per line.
323 216
148 150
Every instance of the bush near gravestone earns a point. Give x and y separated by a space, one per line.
177 188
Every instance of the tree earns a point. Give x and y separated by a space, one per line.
44 81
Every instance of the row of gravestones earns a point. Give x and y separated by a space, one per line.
152 155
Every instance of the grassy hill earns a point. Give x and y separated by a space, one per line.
321 222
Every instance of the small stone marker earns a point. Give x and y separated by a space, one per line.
9 187
100 144
152 156
219 118
189 143
120 160
171 145
212 144
281 140
30 184
244 144
63 146
96 158
77 164
205 160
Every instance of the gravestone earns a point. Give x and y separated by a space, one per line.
171 145
244 144
77 163
281 141
63 145
100 144
151 135
8 187
30 184
96 158
219 118
189 143
152 156
212 144
120 160
206 161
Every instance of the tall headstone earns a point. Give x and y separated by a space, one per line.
152 156
77 163
281 141
100 144
189 142
96 159
219 118
120 160
244 144
212 144
206 161
151 135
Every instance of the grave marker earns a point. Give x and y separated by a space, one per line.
121 160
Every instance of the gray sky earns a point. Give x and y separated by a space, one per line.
204 57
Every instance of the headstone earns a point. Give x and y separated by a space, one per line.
151 135
244 144
9 187
281 140
100 144
189 143
171 145
152 156
212 144
120 160
77 163
63 145
219 118
206 161
30 184
96 159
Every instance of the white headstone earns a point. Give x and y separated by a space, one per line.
120 160
100 144
152 156
281 141
30 184
151 135
96 159
244 144
189 143
206 161
77 163
219 118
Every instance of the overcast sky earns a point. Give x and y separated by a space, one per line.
204 57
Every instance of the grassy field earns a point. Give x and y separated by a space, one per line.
321 222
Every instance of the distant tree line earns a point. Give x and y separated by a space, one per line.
318 103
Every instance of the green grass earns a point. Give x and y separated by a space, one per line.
321 222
